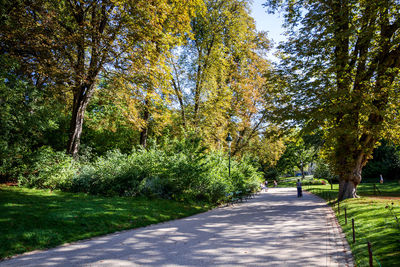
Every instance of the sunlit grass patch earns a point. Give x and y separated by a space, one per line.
37 219
373 221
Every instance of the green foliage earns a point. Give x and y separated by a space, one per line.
123 91
218 78
69 45
288 160
315 182
298 153
322 171
27 116
111 174
50 169
272 174
338 74
308 180
385 161
180 170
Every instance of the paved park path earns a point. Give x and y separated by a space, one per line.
273 229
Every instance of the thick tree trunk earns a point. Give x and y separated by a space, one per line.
81 99
348 183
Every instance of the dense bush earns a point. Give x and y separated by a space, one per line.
29 118
315 182
180 170
385 161
272 174
322 171
50 169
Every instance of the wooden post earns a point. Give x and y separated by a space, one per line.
345 216
338 206
371 263
354 233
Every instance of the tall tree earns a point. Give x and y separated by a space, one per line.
146 89
69 43
218 76
340 72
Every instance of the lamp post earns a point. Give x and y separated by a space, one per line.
229 140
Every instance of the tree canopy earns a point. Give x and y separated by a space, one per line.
339 73
67 45
136 72
139 72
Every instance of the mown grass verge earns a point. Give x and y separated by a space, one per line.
374 222
37 219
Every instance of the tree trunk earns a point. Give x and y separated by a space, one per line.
197 95
179 95
178 91
348 183
145 130
144 136
82 96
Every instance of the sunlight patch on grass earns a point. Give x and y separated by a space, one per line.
373 222
36 219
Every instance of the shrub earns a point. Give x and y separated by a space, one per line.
181 170
272 174
315 182
50 169
117 173
322 171
215 183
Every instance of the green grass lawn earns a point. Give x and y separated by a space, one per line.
36 219
373 221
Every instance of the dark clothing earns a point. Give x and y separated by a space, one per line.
299 191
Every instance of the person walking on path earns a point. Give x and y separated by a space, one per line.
263 188
299 191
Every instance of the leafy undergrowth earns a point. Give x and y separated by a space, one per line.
36 219
308 180
374 220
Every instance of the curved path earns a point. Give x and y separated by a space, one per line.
273 229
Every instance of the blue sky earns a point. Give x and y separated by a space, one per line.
271 23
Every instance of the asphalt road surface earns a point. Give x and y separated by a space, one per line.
273 229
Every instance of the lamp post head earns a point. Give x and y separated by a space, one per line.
229 139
